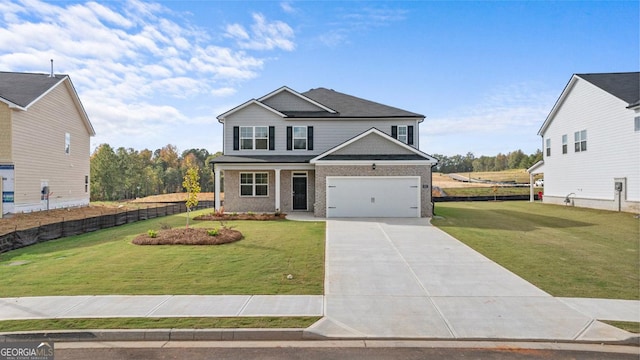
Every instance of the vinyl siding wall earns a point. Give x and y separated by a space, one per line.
613 148
39 152
5 133
287 101
327 132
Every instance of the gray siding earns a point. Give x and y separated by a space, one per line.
372 144
286 101
328 133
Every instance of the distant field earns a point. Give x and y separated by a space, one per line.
460 188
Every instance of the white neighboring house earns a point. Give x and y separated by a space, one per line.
591 143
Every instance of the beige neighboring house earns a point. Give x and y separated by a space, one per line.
44 143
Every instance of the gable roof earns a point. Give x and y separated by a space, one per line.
21 90
333 104
412 153
624 86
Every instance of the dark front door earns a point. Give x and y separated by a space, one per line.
300 193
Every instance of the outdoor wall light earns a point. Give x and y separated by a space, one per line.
373 166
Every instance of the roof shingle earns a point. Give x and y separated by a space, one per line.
23 88
625 86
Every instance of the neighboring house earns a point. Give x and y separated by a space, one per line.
591 143
44 143
323 151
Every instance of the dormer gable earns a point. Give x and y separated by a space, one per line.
287 100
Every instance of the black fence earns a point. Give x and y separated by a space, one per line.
21 238
483 198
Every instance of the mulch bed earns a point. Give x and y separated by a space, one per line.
189 236
240 216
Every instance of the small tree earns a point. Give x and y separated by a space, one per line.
191 183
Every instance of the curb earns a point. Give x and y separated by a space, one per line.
284 334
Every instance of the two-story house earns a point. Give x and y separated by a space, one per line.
44 143
323 151
591 143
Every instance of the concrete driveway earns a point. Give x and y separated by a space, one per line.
403 278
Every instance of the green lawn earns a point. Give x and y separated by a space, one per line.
158 323
566 251
105 262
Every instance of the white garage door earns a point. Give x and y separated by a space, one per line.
376 196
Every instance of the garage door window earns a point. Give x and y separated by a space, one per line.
254 184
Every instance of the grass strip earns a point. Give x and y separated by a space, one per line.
105 262
632 327
565 251
158 323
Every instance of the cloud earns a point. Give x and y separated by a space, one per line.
287 7
133 63
264 35
518 106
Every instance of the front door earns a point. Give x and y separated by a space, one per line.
300 192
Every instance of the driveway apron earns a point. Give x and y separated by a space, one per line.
403 278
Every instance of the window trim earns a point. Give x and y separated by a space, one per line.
294 138
580 141
67 143
636 124
406 134
253 138
547 146
565 146
253 184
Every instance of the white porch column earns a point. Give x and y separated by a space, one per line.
216 180
531 199
277 189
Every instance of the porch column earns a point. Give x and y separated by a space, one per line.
277 189
531 196
216 180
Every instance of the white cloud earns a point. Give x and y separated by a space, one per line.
264 35
287 7
134 63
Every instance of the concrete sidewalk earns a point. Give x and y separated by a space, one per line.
110 306
403 278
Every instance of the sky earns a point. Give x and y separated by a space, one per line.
484 73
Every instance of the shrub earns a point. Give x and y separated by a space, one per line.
212 232
152 233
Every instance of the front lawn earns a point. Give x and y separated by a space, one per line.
106 262
565 251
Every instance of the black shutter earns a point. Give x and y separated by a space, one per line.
309 137
272 137
410 134
236 138
289 138
394 132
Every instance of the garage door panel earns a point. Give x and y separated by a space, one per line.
373 197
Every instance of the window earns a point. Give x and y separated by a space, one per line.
86 183
299 138
580 138
254 184
254 137
564 144
548 146
67 143
402 133
636 124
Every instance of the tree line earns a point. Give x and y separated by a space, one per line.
466 163
126 173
